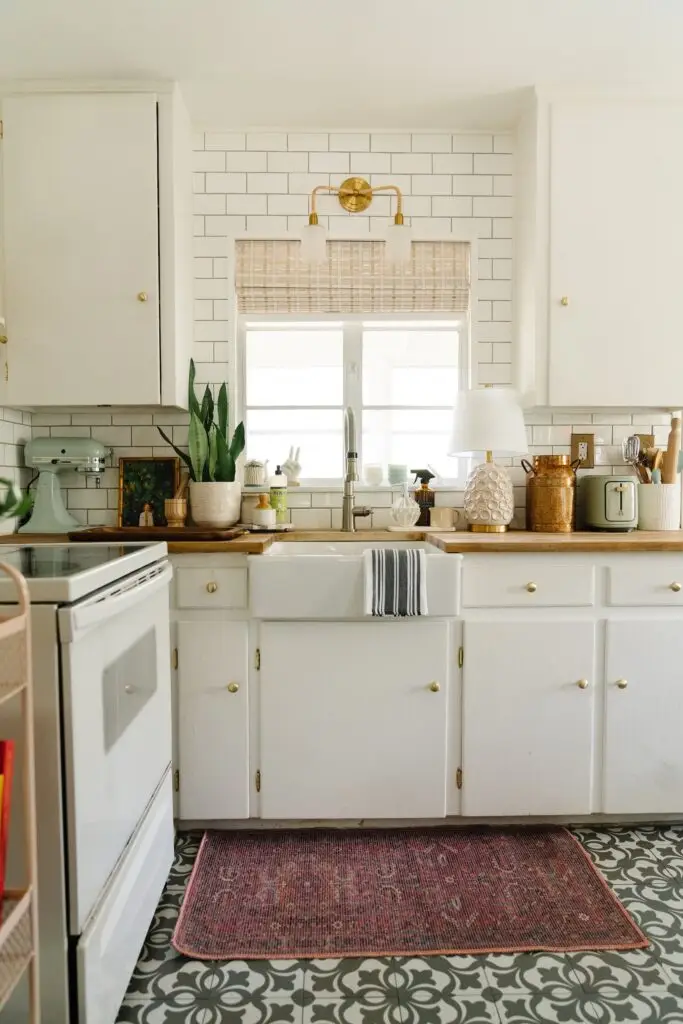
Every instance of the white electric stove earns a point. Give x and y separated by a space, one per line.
102 684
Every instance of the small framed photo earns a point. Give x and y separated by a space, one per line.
144 484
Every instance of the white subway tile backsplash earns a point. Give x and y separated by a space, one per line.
412 163
494 164
479 142
233 182
495 290
209 247
493 206
349 141
246 161
311 518
502 269
288 204
287 162
383 142
502 227
268 183
431 143
452 163
503 143
208 161
211 204
238 204
498 248
331 163
452 206
224 141
305 183
502 185
365 164
263 225
472 185
308 141
432 184
213 288
267 140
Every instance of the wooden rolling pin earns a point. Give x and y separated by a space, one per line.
673 447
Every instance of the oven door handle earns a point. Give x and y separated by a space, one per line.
97 610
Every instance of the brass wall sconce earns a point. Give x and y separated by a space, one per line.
355 195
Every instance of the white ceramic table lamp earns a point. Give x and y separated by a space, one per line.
488 420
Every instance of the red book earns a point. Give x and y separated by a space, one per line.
6 774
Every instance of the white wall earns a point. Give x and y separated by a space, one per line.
261 182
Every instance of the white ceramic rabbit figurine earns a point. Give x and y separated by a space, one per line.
292 467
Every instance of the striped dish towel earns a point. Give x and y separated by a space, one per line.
395 581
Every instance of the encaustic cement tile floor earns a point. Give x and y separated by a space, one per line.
643 865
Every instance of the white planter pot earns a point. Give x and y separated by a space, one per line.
215 504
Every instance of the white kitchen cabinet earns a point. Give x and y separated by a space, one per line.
354 719
599 215
96 236
213 719
528 707
643 762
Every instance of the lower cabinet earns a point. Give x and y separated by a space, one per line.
643 764
354 719
528 706
213 719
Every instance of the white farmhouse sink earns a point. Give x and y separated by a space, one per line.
324 579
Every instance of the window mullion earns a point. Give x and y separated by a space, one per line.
353 380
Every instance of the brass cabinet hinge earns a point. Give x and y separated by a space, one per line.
6 372
258 782
458 778
174 657
461 656
2 130
257 659
176 780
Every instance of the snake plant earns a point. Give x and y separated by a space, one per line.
211 458
12 503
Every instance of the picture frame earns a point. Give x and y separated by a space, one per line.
145 482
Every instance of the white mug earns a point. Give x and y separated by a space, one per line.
444 518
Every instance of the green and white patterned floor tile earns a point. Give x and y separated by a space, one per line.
644 865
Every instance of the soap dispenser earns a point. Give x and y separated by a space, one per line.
424 495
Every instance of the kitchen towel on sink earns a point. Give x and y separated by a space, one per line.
395 581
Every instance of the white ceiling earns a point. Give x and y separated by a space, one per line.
315 63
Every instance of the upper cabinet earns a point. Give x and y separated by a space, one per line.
598 260
96 230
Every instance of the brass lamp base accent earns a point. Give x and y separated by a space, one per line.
360 197
486 528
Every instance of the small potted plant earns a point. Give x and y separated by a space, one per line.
215 495
12 504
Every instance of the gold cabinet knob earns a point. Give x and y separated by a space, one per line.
233 687
435 687
675 587
564 301
622 683
3 339
142 296
212 587
582 684
532 588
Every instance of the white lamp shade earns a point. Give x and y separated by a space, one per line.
398 244
314 244
488 420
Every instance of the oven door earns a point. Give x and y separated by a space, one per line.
116 692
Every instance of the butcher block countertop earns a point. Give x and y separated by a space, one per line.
459 542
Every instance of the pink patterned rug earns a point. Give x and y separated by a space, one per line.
377 892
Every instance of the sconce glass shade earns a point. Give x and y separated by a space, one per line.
398 244
314 244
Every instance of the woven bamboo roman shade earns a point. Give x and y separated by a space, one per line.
271 277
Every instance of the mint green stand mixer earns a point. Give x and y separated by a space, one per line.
51 456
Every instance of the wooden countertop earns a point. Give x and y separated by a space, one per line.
522 540
459 542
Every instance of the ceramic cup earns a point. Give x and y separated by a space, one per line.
397 474
659 506
373 475
445 518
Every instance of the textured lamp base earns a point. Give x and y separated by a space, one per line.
489 499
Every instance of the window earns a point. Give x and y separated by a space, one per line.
399 376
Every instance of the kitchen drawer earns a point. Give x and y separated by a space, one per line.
650 581
211 588
508 581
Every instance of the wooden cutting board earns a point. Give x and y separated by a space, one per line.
117 534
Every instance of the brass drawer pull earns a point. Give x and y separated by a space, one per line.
564 301
233 687
582 684
675 587
142 296
532 588
212 587
435 687
622 683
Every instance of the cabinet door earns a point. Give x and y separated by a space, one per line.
643 768
616 211
349 725
527 723
213 719
81 249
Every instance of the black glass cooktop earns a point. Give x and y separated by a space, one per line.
48 562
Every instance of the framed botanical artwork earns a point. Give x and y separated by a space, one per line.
144 484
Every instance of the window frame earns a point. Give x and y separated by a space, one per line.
352 330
